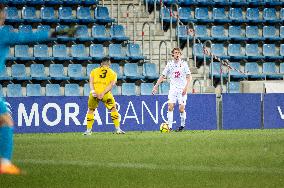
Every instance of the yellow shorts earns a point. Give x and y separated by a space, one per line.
108 101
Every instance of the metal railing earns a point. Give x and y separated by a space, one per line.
171 21
134 21
150 40
160 45
205 52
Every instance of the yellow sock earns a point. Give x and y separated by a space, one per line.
115 118
90 121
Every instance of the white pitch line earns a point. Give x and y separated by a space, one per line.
232 169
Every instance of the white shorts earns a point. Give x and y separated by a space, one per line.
176 95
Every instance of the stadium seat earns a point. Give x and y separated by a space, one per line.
41 52
117 33
201 32
219 50
75 72
236 14
218 33
90 67
282 50
235 74
25 29
150 71
115 90
131 71
18 72
170 2
60 52
273 2
252 15
269 70
4 74
185 14
38 72
117 53
269 51
56 72
54 2
146 88
34 90
35 2
282 32
11 55
72 90
236 52
100 34
134 52
86 89
165 16
48 15
16 2
182 33
255 2
236 33
90 2
215 71
84 15
282 14
29 14
252 51
164 88
281 68
8 27
22 53
12 15
233 87
79 52
102 15
97 52
220 15
198 50
252 70
116 68
65 14
46 28
239 2
270 33
2 93
187 2
72 2
82 33
14 90
252 33
269 15
64 38
202 14
52 90
128 89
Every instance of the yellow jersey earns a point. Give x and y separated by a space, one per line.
102 77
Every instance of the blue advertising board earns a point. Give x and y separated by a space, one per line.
241 111
138 113
273 110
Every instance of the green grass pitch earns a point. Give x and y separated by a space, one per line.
243 158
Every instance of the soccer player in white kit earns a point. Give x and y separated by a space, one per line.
179 74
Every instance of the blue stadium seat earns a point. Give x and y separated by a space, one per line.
219 50
202 14
48 15
22 53
115 90
16 2
269 51
4 74
185 14
8 27
236 14
100 34
236 52
75 72
86 89
187 2
281 32
56 72
117 53
65 14
53 2
252 51
150 71
269 15
18 72
252 70
35 2
219 15
97 52
64 38
72 2
116 68
90 67
117 33
218 33
273 2
102 15
253 15
236 33
221 2
134 52
60 52
72 90
198 50
52 90
34 90
131 71
239 2
235 74
216 71
38 72
25 29
165 15
252 33
11 55
281 68
29 14
2 93
182 33
170 2
282 50
45 28
82 33
164 88
233 87
79 52
84 15
146 88
12 15
269 70
14 90
90 2
282 14
41 52
128 89
270 33
201 32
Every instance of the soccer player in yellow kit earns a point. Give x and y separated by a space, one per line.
102 80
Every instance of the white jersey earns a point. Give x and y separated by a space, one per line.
176 72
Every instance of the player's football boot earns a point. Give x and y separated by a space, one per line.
9 169
87 133
180 129
120 132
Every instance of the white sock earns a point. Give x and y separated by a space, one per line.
170 118
5 161
89 130
118 128
182 119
